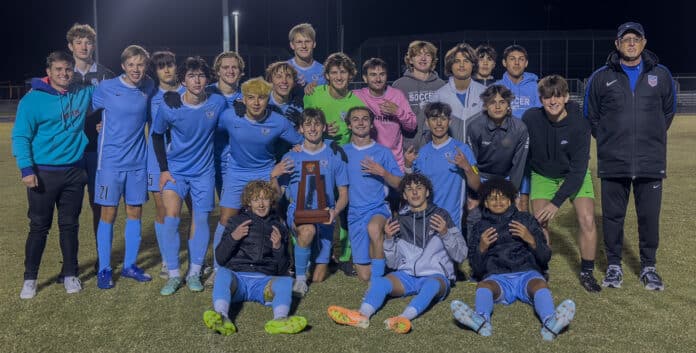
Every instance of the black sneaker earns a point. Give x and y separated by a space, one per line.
650 279
614 277
588 282
347 268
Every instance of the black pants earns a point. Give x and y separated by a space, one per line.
648 200
63 189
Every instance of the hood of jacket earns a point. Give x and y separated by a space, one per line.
43 84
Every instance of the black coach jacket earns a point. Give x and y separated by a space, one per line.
631 126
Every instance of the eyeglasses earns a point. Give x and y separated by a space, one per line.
631 40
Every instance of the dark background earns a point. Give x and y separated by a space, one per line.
32 28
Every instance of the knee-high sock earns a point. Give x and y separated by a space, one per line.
216 240
543 304
133 229
198 245
282 297
377 268
159 235
171 242
301 261
222 290
105 234
423 299
374 299
484 302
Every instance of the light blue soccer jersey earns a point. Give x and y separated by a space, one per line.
314 73
121 143
449 184
332 169
155 102
368 191
254 141
190 151
222 146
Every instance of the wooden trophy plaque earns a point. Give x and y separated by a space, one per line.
309 216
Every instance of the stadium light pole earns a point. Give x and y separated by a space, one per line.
236 30
225 25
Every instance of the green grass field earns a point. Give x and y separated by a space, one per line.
133 317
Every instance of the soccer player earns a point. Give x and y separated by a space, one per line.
390 107
286 95
422 245
253 137
446 162
229 69
507 253
254 263
82 40
630 103
48 143
335 99
461 92
121 168
371 169
419 83
186 168
302 42
486 63
163 65
559 154
333 172
522 84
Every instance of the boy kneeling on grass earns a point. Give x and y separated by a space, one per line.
254 261
422 246
508 253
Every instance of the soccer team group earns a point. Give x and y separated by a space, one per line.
418 176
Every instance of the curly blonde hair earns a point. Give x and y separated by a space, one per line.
257 189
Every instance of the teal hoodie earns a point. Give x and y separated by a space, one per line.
49 127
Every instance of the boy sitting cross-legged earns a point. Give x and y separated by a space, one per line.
422 246
508 253
254 261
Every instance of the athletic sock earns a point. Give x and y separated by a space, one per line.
198 245
282 297
132 231
105 234
424 297
586 266
410 313
222 287
171 243
543 304
194 270
222 307
159 234
379 289
484 302
377 268
301 260
216 240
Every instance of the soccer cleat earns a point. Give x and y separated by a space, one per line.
588 282
28 289
194 284
164 273
172 285
210 281
343 316
560 320
72 284
347 268
218 323
614 277
650 279
471 319
398 324
292 324
299 288
136 273
104 280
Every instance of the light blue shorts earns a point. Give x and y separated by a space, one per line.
110 186
513 286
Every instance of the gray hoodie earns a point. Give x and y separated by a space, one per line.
418 250
419 93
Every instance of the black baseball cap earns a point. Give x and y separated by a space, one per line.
630 27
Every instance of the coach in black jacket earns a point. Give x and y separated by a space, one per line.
630 103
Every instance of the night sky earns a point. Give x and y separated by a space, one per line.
33 28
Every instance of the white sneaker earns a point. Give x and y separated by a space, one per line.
72 285
28 289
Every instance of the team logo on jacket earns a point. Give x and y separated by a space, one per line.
94 81
652 80
210 114
265 131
